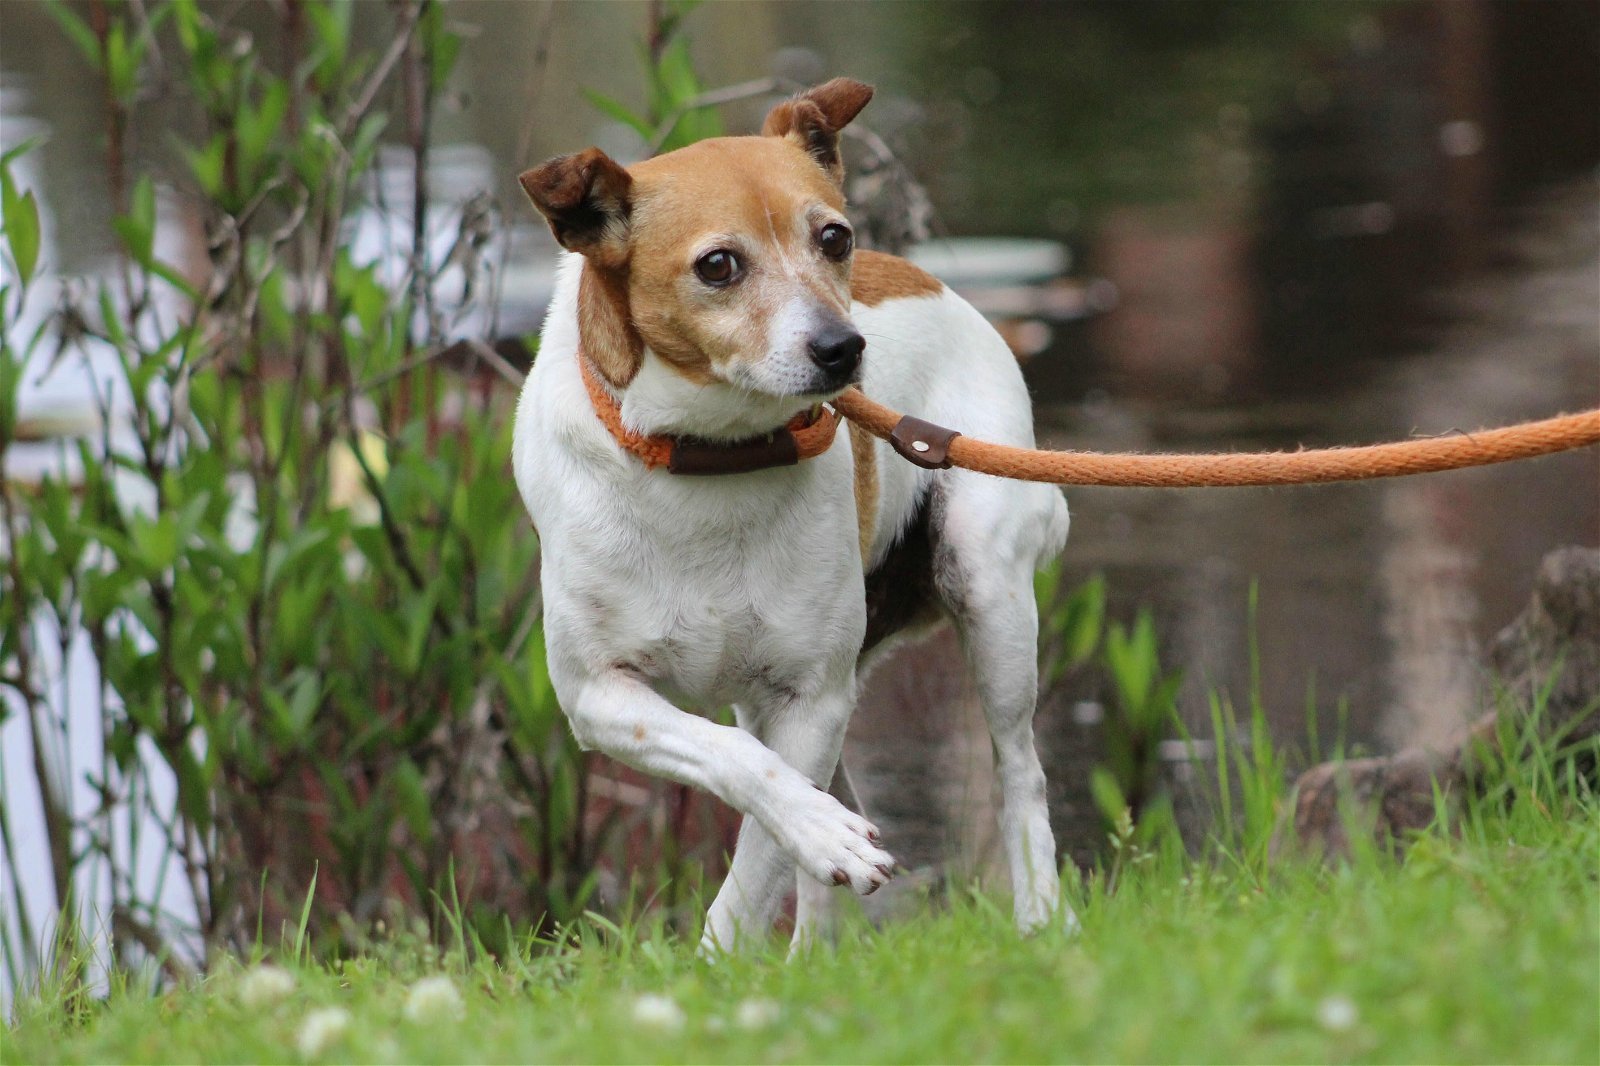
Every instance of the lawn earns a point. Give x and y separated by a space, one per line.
1481 945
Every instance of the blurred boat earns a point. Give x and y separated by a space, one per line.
1020 284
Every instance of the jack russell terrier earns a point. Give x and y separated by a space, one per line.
712 306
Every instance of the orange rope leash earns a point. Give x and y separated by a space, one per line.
1422 456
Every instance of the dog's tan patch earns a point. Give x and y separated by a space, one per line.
877 277
755 196
812 120
763 200
584 196
866 485
605 326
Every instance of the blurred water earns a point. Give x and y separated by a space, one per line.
1373 600
1324 223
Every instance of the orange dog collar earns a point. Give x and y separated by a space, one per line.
807 435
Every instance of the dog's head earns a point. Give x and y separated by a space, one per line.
728 259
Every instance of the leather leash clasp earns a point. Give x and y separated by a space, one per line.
923 443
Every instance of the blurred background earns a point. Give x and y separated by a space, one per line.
1202 226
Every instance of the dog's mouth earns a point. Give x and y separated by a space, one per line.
809 366
809 386
831 384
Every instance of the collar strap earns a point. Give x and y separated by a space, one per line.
807 435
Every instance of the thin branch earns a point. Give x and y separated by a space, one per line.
369 92
495 361
536 68
125 926
473 347
744 90
419 120
30 945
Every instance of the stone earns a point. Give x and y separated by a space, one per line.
1552 647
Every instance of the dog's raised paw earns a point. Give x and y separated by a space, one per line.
836 846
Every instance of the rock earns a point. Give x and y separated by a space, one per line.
1552 647
1556 642
1392 795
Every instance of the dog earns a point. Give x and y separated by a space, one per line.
709 304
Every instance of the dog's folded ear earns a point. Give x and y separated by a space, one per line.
586 199
813 120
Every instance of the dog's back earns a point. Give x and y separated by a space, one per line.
930 353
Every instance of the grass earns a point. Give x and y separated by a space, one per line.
1483 944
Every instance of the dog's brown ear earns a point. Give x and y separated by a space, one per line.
813 120
586 197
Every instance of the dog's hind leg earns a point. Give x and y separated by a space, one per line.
1000 640
984 558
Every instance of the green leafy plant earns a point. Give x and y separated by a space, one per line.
1144 708
676 111
292 543
1251 770
1071 623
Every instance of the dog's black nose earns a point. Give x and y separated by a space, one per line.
837 350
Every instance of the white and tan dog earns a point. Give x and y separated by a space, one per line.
713 299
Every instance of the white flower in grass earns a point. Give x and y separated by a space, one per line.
756 1013
1337 1014
434 999
262 986
321 1030
659 1012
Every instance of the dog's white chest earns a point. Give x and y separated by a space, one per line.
718 590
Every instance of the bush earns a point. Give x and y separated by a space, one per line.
293 544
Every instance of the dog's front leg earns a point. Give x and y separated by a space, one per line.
742 914
809 735
817 908
615 712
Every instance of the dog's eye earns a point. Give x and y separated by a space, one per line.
835 241
717 268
